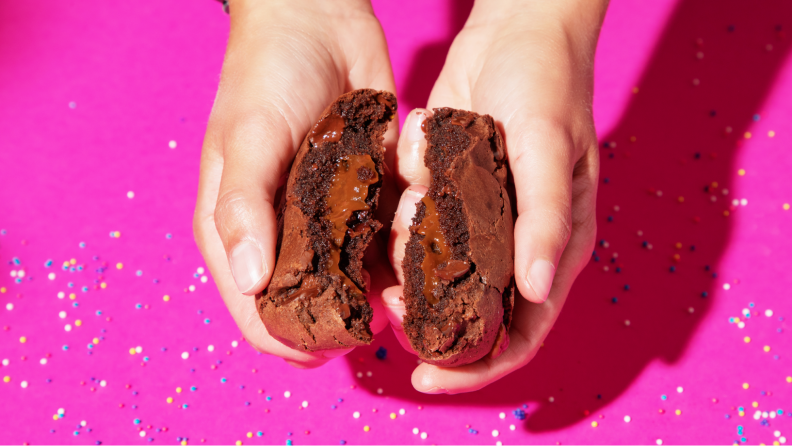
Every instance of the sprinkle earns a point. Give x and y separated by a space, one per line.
495 433
185 355
423 435
166 298
627 419
169 400
366 428
172 144
766 348
6 379
357 415
23 339
741 172
119 265
130 195
286 394
747 339
678 412
680 389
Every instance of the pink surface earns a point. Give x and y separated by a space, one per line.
93 94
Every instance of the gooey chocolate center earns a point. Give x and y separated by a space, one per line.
437 264
349 189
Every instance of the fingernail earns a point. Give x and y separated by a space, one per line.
407 209
435 391
414 131
540 277
246 266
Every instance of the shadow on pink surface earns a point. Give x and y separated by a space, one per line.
663 211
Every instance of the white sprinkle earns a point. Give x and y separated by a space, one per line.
627 419
21 273
9 306
185 355
67 327
191 288
769 313
61 411
5 362
680 389
401 411
51 276
379 391
62 315
61 294
746 312
726 286
757 415
72 105
777 434
103 383
43 361
423 435
627 323
512 427
744 202
741 324
495 433
772 414
782 440
172 144
130 195
24 384
142 433
204 279
139 349
691 310
13 273
83 423
498 443
305 404
659 441
368 374
201 270
415 431
357 415
725 191
234 344
359 374
210 348
502 416
764 414
287 394
735 202
551 399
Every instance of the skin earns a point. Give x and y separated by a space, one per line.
529 64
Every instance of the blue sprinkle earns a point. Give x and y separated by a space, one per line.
247 403
618 270
82 244
626 287
333 406
193 389
75 304
76 432
610 218
222 380
473 431
663 397
728 416
85 289
519 414
342 442
259 433
195 349
65 347
48 263
381 353
168 236
156 280
16 261
163 349
288 442
206 321
751 304
98 312
672 269
136 421
134 392
90 345
145 358
340 400
269 398
184 406
139 273
70 285
242 386
704 294
755 117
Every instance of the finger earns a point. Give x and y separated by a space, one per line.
256 155
395 310
400 230
541 161
410 168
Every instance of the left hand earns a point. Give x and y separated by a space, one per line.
530 66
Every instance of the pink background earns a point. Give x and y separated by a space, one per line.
140 74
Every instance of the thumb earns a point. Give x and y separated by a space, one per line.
254 161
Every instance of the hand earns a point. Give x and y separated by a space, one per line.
285 62
529 65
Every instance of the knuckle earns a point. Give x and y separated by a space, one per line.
231 209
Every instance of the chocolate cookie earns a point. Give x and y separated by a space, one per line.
316 298
459 260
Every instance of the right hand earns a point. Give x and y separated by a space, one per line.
285 62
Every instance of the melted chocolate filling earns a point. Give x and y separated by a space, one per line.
437 264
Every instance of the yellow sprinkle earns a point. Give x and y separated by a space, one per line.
250 434
736 320
755 404
741 172
747 339
169 400
635 90
789 379
132 351
23 339
393 416
678 412
714 184
366 428
73 261
681 199
119 265
776 443
633 139
6 379
742 414
55 417
766 348
72 296
66 263
178 390
725 213
747 135
786 206
78 322
103 285
745 385
594 424
184 443
95 340
771 133
239 443
678 245
117 234
166 298
2 289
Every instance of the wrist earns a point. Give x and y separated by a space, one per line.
335 7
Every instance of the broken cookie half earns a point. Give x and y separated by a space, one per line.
316 299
